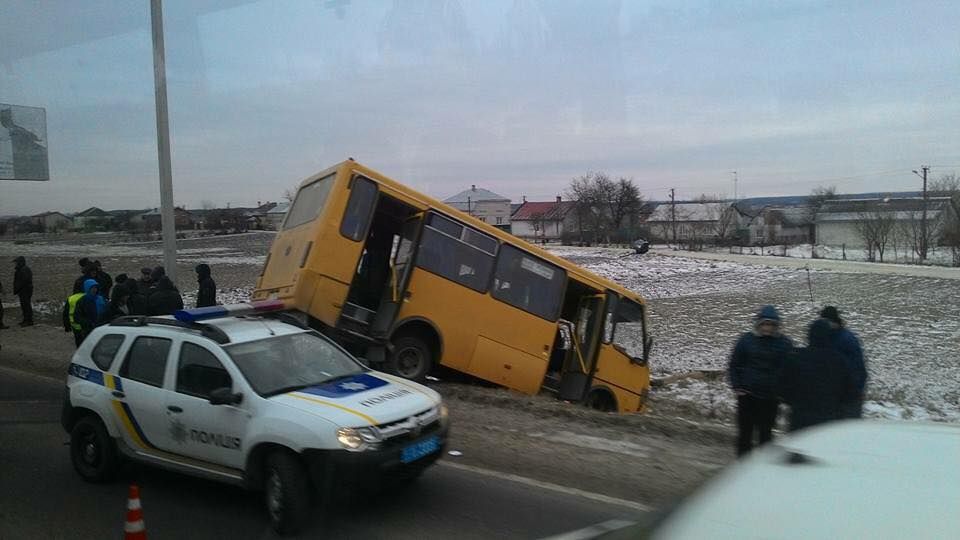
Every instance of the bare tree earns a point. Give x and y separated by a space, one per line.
290 194
948 185
820 195
626 204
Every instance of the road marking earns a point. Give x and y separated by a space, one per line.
547 486
593 531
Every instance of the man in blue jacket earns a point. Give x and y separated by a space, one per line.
90 309
754 371
849 346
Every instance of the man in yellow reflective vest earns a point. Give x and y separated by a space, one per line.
69 322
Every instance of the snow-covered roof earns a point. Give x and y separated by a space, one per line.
689 212
475 194
899 209
280 208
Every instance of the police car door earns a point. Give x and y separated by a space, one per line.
199 429
140 403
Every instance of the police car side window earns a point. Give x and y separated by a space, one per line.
106 349
147 360
199 372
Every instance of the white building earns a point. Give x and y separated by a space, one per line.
839 221
693 221
544 221
484 205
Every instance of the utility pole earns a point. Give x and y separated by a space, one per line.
168 225
734 173
673 214
923 219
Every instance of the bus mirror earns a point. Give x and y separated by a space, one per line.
647 345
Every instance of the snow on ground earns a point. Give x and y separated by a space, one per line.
938 255
909 325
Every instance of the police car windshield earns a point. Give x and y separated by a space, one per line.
286 363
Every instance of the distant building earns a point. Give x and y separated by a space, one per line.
544 221
152 221
692 221
484 205
51 221
839 221
92 218
274 216
783 225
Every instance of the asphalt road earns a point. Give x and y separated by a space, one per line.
42 497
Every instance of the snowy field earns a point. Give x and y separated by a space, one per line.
909 325
940 256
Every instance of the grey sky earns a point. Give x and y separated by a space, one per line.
516 96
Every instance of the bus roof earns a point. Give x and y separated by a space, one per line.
413 195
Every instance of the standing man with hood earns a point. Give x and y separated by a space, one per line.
23 289
754 370
165 299
815 380
849 346
207 292
90 309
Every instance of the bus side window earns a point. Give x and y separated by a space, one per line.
529 283
363 196
308 203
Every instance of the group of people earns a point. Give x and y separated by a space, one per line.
98 299
821 382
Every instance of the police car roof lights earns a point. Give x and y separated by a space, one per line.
229 310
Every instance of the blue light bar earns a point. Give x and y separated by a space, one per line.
229 310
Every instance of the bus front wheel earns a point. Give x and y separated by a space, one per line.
601 400
411 358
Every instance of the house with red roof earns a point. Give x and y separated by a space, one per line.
544 221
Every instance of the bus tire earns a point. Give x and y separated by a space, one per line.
601 400
411 358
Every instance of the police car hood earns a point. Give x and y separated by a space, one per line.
369 398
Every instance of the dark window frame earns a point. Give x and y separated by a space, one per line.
113 357
176 385
361 234
124 368
483 284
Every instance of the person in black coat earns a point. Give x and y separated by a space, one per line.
87 271
165 299
816 380
103 279
755 365
207 291
23 289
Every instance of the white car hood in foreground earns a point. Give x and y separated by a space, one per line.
369 398
851 479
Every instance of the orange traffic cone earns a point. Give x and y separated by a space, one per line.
133 529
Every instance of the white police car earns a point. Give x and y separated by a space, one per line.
246 397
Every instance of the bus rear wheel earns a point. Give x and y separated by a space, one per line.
411 359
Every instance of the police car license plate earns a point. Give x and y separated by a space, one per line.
420 450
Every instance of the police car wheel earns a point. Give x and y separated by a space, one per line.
92 451
411 358
286 492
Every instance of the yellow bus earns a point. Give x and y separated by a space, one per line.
410 283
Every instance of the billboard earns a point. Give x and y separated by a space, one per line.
23 143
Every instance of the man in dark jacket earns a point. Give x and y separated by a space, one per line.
754 368
103 279
86 272
815 380
91 309
165 299
207 291
138 292
23 289
849 346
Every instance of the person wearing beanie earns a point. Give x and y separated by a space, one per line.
849 346
755 365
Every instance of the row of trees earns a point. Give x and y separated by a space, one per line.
606 209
